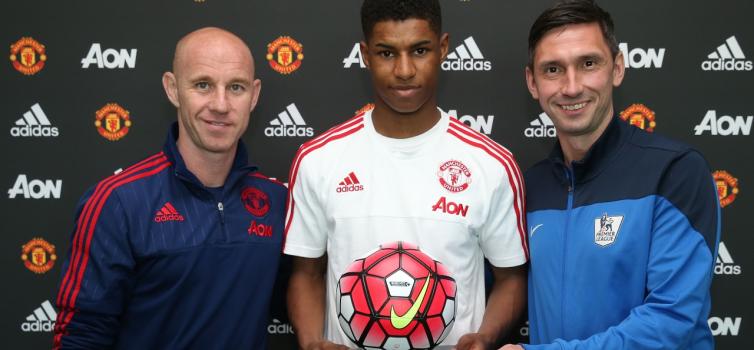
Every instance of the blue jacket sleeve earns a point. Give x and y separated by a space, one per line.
96 276
685 232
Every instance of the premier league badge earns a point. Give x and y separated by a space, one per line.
606 229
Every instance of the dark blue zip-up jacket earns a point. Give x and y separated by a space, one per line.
158 261
622 245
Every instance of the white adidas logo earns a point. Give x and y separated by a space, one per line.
727 57
288 123
724 264
34 124
41 320
467 57
542 126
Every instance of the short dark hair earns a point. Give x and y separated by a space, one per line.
373 11
566 12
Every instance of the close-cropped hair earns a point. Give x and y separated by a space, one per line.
567 12
374 11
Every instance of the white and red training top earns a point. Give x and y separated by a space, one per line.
455 193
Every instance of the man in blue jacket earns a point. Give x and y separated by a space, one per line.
181 249
623 224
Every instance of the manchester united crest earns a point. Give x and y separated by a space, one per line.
727 187
639 116
38 255
606 229
255 201
454 176
285 54
28 56
112 122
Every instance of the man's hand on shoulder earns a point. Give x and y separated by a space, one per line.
326 345
474 341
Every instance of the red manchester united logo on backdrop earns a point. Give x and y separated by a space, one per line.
454 176
727 187
38 255
639 116
113 122
255 201
28 56
285 54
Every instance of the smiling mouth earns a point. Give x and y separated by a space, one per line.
573 107
214 123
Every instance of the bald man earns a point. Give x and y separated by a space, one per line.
181 249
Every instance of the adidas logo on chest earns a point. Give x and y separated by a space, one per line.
167 213
350 183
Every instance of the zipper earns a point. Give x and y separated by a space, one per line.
571 187
222 213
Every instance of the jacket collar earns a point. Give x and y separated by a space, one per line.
240 166
602 152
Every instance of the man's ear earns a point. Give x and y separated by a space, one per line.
171 88
364 48
531 84
619 69
256 86
444 42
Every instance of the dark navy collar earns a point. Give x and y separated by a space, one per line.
240 167
598 156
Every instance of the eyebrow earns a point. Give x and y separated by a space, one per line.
208 78
589 56
413 46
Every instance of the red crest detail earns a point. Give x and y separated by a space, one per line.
255 201
454 176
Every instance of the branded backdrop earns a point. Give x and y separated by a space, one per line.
81 98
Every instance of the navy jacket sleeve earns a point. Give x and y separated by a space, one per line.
96 275
685 231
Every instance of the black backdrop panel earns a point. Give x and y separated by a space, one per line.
102 52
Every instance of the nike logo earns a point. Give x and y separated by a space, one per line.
531 231
401 321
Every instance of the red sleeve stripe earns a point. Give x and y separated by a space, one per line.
321 139
348 123
473 133
262 176
511 170
83 254
519 188
86 212
339 132
464 129
72 280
